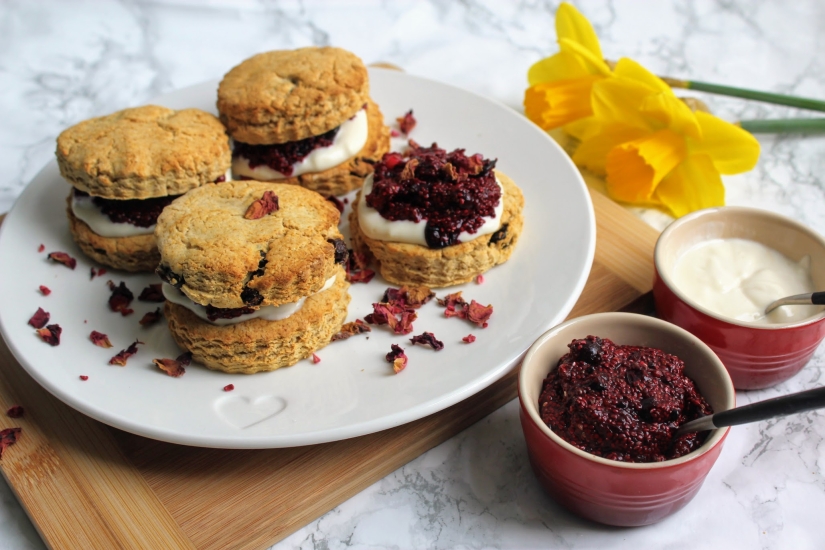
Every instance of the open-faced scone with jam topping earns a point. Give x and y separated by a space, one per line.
434 218
126 167
303 117
253 274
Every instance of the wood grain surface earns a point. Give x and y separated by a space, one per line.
86 485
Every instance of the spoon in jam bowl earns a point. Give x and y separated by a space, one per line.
812 298
761 410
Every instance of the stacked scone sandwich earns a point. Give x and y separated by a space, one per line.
434 218
303 117
126 167
253 274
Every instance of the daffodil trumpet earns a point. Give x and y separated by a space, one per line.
766 97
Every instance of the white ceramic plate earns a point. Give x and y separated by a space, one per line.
353 390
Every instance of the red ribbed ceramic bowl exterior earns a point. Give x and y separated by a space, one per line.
606 491
756 356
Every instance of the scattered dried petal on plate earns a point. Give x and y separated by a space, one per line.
478 314
121 298
63 258
356 268
337 203
428 339
124 354
41 248
170 366
184 358
479 279
15 411
397 357
97 272
50 334
152 293
351 329
407 122
8 437
40 318
229 387
267 204
394 133
150 318
404 325
451 300
469 339
83 377
99 339
315 359
417 296
44 290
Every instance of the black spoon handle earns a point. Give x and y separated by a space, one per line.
770 408
818 298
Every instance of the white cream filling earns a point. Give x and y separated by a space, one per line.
268 313
377 227
85 209
350 139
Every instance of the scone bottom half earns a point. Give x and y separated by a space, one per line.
412 264
218 257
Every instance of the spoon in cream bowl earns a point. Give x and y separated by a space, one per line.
811 298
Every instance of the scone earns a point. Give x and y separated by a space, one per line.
253 274
303 117
126 167
435 218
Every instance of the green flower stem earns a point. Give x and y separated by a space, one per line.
767 97
785 126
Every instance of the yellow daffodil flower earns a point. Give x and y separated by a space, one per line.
560 85
654 150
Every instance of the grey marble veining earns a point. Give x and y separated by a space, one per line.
64 61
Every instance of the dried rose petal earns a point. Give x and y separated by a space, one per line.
44 290
417 296
397 357
40 318
451 300
184 358
152 293
170 366
83 377
356 268
41 248
404 325
50 334
479 279
351 329
63 258
150 318
407 122
428 339
99 339
408 172
15 411
362 276
229 387
469 339
479 314
391 160
124 354
336 202
315 359
8 437
121 298
394 133
267 204
380 314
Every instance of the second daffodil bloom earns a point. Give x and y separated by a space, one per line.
654 150
560 85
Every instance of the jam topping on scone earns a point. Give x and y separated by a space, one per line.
137 212
453 192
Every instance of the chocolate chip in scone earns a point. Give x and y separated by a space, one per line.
169 276
341 253
499 235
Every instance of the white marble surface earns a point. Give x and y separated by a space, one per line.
63 61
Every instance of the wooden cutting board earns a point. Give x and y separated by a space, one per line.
86 485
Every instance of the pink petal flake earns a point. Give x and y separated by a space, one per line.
397 357
150 318
267 204
63 258
50 334
41 248
100 340
40 318
8 437
83 377
44 290
123 355
229 387
469 339
152 293
315 359
15 411
407 122
121 298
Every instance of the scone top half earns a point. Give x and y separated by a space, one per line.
218 257
290 95
144 152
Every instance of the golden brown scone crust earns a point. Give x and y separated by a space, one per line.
136 253
287 95
412 264
259 345
204 240
350 175
144 152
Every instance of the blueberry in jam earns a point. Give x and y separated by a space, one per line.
451 191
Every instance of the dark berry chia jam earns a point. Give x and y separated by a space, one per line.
451 191
138 212
281 157
623 403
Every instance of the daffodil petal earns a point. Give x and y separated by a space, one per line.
628 68
592 152
561 66
571 24
693 185
594 64
583 128
732 149
554 104
673 112
634 169
617 100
